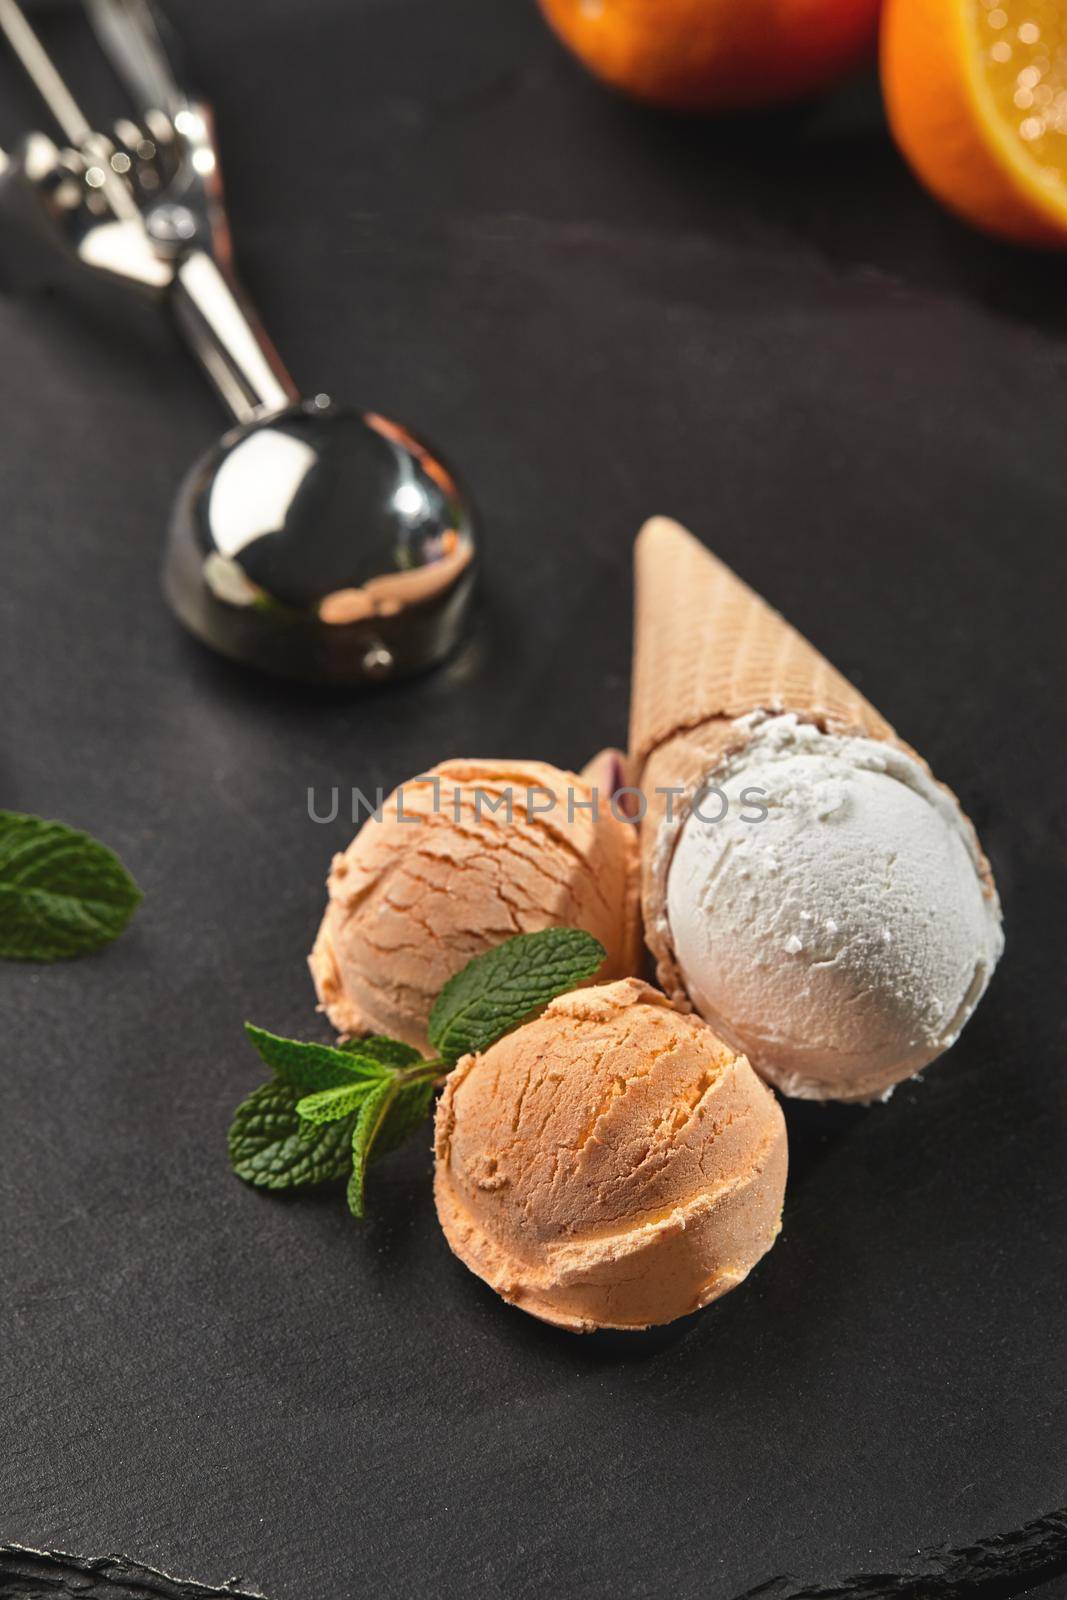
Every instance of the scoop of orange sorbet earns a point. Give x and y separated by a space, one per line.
612 1164
462 858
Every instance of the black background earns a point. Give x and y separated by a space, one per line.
765 329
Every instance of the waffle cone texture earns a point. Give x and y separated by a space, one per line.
707 651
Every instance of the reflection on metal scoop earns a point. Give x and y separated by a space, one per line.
313 541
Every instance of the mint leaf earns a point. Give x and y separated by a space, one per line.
314 1066
498 990
387 1117
329 1111
408 1111
372 1115
62 893
334 1110
329 1105
269 1144
390 1052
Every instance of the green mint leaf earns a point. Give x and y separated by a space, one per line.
507 985
372 1115
330 1105
390 1052
388 1115
62 893
314 1066
408 1111
269 1147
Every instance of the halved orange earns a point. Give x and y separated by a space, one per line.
976 92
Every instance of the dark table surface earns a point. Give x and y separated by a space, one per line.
765 329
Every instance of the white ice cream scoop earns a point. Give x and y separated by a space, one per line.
828 911
842 935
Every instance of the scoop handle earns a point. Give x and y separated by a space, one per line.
211 308
143 51
223 331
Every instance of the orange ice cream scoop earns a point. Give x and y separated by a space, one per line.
612 1164
462 858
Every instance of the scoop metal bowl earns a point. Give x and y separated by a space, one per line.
312 541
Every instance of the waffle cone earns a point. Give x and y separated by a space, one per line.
706 645
606 771
707 650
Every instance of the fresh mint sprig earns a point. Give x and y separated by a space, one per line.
330 1110
496 991
62 893
268 1146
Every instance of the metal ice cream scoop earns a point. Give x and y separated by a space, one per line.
314 541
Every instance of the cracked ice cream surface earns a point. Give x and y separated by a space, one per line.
843 941
449 872
610 1164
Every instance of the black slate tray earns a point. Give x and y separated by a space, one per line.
765 329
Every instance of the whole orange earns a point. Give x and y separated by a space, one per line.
715 55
